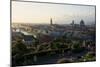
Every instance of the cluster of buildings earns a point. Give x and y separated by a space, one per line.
46 33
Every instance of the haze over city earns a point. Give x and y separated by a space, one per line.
30 12
45 33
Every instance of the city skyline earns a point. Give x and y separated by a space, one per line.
37 13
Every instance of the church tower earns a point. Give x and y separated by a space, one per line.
51 23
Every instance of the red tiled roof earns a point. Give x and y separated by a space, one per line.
45 38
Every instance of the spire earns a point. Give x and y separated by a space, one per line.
51 21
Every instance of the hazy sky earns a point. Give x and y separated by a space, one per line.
30 12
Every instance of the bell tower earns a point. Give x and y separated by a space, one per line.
51 23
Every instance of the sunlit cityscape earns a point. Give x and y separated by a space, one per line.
45 33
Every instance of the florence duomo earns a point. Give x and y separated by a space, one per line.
52 33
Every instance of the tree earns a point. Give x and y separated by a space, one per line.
18 49
90 56
76 47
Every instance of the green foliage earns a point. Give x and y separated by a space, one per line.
89 57
19 48
76 47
